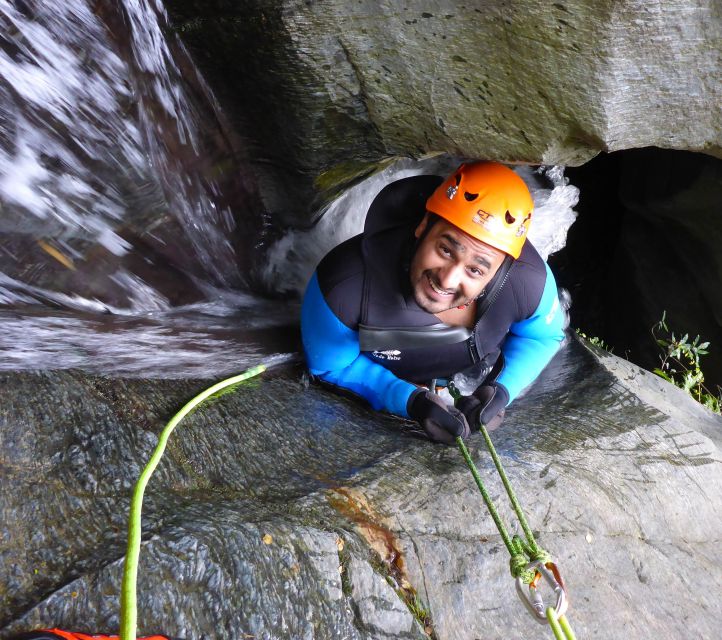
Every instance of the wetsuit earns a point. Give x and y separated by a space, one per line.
363 331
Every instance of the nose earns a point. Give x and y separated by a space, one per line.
450 277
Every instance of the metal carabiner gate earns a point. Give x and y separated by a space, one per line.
533 600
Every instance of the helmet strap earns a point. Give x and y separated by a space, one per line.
479 297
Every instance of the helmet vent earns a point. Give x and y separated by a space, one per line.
510 219
470 197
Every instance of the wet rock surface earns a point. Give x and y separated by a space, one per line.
281 511
325 88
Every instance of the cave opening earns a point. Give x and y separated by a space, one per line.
647 241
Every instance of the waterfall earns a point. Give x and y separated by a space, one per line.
131 225
128 218
106 173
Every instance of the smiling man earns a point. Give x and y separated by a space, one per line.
442 281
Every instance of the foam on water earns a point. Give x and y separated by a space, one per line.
180 344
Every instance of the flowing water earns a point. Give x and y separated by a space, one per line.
131 229
121 251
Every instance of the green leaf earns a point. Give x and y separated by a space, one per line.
663 374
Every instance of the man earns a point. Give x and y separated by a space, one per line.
441 281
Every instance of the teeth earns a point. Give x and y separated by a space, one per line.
439 291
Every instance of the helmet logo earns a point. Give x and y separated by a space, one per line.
454 188
487 220
522 227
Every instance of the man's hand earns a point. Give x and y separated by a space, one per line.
441 422
486 406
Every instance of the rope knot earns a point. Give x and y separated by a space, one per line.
522 554
517 565
537 553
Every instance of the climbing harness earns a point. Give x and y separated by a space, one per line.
529 563
60 634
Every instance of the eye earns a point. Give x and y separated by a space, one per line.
445 250
475 272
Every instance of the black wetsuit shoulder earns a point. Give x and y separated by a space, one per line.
341 280
527 281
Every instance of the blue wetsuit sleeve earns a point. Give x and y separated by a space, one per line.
531 343
333 354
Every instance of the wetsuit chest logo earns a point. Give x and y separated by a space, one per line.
392 354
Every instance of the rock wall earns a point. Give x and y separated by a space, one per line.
282 511
324 88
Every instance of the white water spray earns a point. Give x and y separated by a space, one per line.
98 130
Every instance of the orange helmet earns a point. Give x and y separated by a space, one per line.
489 202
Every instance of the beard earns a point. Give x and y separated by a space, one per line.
427 293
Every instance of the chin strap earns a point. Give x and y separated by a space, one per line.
492 291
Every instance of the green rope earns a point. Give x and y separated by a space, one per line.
567 628
128 593
560 626
487 498
537 552
521 552
554 624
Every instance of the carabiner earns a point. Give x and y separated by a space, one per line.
533 600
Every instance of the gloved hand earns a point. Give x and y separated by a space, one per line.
441 422
487 406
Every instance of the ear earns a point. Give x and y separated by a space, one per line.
422 226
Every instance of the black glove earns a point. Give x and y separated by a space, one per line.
441 422
487 406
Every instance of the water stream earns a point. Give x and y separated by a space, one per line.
131 232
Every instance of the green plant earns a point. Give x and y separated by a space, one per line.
680 364
597 342
419 611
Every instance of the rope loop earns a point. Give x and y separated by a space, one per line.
520 558
517 564
129 586
537 553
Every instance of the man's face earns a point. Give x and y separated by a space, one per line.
450 268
